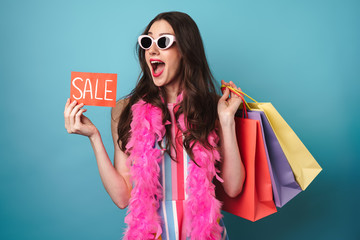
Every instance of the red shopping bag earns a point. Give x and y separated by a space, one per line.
256 199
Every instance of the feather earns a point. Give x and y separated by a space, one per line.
202 209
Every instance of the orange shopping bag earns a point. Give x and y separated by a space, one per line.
256 199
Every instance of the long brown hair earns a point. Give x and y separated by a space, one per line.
199 103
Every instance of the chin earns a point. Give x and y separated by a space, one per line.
158 83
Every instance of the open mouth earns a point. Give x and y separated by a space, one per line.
158 67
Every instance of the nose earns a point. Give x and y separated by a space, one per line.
153 50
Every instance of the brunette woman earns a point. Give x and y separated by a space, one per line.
169 134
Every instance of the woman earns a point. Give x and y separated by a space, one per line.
165 138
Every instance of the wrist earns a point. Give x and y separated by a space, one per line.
227 121
94 135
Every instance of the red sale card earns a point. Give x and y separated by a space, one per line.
96 89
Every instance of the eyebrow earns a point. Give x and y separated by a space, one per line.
160 33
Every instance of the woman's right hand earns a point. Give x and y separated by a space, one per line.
76 122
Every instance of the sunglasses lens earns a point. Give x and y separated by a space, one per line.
146 42
163 42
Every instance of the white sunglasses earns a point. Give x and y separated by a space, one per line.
163 42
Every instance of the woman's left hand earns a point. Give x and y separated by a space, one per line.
227 107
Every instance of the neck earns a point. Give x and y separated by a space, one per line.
172 91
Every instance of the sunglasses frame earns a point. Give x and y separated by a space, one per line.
171 37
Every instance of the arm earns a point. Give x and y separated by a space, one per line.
232 167
115 179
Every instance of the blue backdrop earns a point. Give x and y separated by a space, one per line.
303 56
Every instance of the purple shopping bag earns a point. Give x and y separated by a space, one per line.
282 178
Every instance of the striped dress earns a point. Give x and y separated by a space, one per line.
172 177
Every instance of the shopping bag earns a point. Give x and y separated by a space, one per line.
282 178
256 199
303 165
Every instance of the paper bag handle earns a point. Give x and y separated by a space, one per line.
240 94
237 92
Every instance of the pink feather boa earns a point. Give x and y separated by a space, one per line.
202 209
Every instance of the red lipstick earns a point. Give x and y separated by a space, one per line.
155 64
